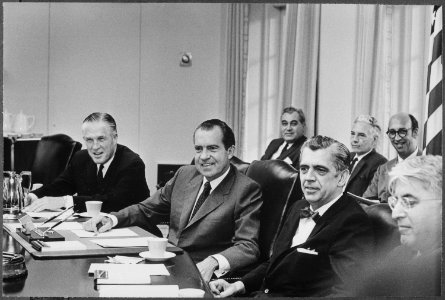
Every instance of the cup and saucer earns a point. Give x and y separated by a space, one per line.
93 209
156 257
87 215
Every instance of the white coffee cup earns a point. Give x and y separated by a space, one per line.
157 246
93 208
191 293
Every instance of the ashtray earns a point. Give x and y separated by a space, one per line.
13 266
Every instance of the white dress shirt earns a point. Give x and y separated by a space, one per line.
280 149
414 154
69 199
306 225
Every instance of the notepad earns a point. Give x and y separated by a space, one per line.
120 232
63 246
149 269
140 291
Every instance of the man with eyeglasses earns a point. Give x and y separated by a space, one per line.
412 269
402 132
325 237
365 160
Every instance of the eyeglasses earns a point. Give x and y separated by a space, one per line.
402 132
405 202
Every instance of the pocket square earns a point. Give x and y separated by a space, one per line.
307 251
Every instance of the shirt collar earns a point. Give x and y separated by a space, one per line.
215 182
359 157
321 210
106 165
414 154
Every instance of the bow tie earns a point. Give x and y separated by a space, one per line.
307 213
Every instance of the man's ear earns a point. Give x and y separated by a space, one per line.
415 132
344 176
231 151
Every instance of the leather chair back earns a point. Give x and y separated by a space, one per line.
277 180
53 154
386 233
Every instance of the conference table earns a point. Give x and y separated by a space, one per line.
68 276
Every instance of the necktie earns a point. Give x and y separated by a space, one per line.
351 166
307 213
284 149
100 174
205 193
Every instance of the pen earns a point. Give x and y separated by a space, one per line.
53 217
58 223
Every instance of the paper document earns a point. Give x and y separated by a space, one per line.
140 291
112 233
149 269
124 276
63 246
122 243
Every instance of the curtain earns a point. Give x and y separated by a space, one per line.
282 69
390 64
299 64
237 46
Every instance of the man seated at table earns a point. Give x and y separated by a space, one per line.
212 208
365 134
414 268
402 132
324 239
105 171
287 148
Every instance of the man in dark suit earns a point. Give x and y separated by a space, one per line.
414 268
324 239
365 160
402 132
105 171
212 208
287 148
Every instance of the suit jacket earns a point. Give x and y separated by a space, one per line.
124 183
363 172
293 152
403 273
378 188
343 239
227 222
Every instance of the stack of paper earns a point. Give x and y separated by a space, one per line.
148 269
63 246
140 291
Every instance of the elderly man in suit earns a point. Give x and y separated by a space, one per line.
365 134
324 238
414 268
287 148
212 208
105 171
402 132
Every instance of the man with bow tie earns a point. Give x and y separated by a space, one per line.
287 148
325 239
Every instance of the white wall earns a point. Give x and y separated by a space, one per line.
63 61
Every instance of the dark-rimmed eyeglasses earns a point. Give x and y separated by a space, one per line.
405 202
402 132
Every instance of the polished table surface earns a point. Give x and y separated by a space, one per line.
69 277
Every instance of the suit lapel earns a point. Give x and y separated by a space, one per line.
328 215
361 164
190 193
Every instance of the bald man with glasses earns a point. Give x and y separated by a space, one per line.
402 132
412 269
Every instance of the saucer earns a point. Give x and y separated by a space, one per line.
148 256
86 215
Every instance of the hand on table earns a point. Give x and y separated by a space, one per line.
207 267
50 203
221 288
98 224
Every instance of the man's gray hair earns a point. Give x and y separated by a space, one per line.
427 169
375 128
340 153
104 117
291 109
